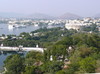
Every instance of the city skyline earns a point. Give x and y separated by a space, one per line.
83 8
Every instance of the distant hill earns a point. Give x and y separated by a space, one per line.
97 16
8 15
40 16
69 16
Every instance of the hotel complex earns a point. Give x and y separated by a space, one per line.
78 24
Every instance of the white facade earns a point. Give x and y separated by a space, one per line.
72 26
77 24
22 48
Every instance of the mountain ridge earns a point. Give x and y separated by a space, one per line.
69 16
43 16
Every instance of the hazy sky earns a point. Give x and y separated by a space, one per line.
51 7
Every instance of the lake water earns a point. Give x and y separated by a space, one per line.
4 29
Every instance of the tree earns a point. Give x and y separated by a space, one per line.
72 68
14 64
85 51
58 51
51 67
61 72
92 27
33 57
87 65
98 66
32 70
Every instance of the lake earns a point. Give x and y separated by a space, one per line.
4 29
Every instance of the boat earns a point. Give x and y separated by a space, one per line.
10 26
36 25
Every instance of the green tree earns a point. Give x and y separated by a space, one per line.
32 70
33 57
60 72
58 51
14 64
52 67
87 65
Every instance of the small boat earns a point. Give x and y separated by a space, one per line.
36 25
10 26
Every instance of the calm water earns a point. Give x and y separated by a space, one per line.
16 31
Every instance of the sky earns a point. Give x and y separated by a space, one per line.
51 7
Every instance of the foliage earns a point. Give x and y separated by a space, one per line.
33 57
32 70
88 65
14 64
92 28
84 55
51 67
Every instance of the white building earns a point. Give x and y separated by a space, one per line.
74 25
77 24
